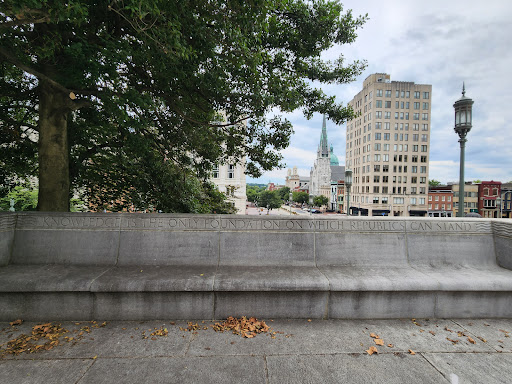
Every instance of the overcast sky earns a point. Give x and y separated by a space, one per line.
441 43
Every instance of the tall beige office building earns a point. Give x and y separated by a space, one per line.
388 146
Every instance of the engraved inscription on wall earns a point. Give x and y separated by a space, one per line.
223 223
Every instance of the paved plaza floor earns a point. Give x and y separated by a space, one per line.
292 351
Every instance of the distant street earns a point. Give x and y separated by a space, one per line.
284 210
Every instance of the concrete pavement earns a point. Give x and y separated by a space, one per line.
295 351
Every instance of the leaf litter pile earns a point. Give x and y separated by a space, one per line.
245 327
44 337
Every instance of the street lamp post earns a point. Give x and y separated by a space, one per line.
348 185
463 118
290 197
498 202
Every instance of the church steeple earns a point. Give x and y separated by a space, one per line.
323 148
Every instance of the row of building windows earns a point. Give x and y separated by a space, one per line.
443 198
231 172
443 206
398 116
398 94
398 105
398 137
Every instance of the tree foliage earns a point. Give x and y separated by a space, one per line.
434 183
95 93
269 199
284 193
320 200
301 197
252 192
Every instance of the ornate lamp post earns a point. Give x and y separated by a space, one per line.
463 118
348 185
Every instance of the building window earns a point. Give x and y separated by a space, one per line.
378 103
423 159
416 116
387 136
425 106
416 105
424 138
385 168
425 127
231 171
423 169
414 169
387 115
377 136
413 200
415 137
426 95
215 172
387 126
424 116
423 180
384 190
378 114
376 168
423 148
387 104
416 94
415 127
376 190
415 148
388 92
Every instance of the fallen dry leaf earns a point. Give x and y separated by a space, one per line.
16 322
372 350
482 339
375 336
432 333
412 352
390 345
471 340
379 341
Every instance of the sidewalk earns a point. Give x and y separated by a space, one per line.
294 351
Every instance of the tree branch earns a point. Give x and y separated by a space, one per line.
15 23
32 71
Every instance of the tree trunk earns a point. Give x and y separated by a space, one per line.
53 149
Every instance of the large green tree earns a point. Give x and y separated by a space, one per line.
269 199
95 92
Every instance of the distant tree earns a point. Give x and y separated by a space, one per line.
284 193
252 192
269 199
434 183
477 181
301 197
318 201
24 197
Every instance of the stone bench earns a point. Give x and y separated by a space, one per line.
139 266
